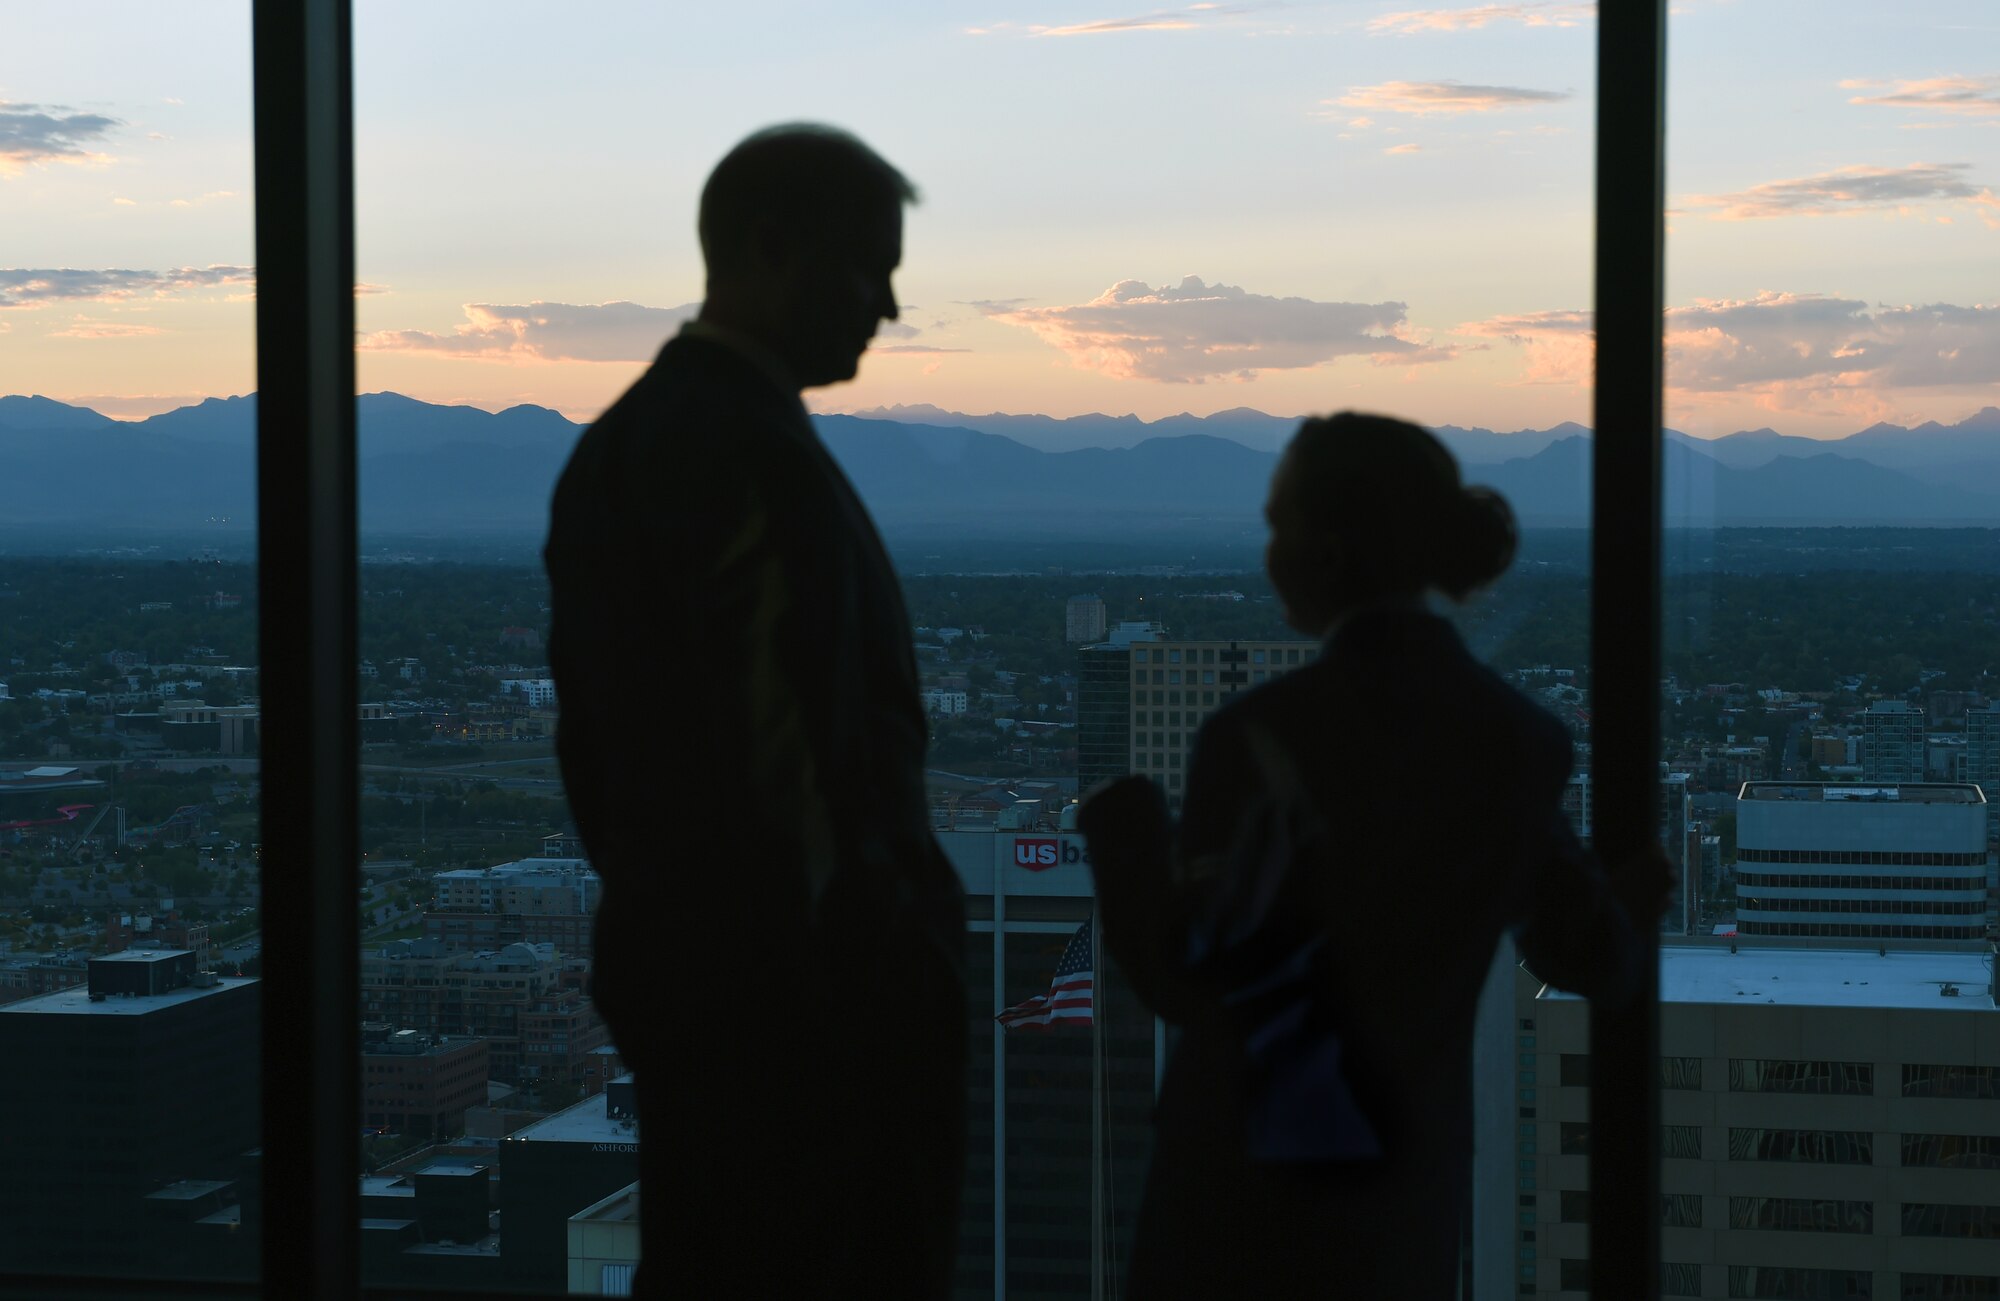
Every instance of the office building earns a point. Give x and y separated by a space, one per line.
420 1085
1026 1214
604 1245
1084 619
1827 1126
1982 760
1103 714
1680 836
1876 862
1892 742
1141 698
556 1168
155 1063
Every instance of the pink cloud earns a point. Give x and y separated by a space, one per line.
1194 332
1845 189
1953 95
1411 22
1446 98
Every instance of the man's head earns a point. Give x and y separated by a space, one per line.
801 227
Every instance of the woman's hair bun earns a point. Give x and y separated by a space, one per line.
1479 539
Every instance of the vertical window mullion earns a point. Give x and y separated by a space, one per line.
307 557
1625 620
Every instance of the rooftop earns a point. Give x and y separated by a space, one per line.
188 1190
1851 792
142 955
76 1001
588 1121
1824 977
551 867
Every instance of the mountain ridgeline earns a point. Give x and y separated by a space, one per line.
430 468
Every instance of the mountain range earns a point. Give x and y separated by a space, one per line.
428 467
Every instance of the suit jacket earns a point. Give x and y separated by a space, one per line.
1441 787
743 745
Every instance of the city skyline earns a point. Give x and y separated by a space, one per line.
1196 208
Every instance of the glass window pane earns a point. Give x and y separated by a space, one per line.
129 738
502 316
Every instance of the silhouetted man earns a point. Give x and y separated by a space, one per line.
779 946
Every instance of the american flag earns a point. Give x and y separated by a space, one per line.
1070 994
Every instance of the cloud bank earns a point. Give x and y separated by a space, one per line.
1432 98
541 331
1193 332
1784 350
22 287
1411 22
36 134
1846 189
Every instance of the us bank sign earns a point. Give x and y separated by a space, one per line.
1040 853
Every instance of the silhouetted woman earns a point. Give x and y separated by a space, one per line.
1356 837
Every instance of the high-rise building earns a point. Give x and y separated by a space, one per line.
1175 685
1679 836
1084 619
1982 760
1903 862
156 1065
1892 742
1103 714
1027 1209
1825 1126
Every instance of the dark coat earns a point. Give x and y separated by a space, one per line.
1440 786
779 951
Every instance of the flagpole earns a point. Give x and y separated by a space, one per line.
999 1073
1098 1009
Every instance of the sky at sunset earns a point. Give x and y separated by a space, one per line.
1282 206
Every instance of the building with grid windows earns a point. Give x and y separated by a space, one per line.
1168 688
1871 862
1892 742
1830 1125
1084 619
1982 760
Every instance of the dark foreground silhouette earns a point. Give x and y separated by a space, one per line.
1413 800
779 948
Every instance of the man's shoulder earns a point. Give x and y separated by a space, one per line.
692 385
698 415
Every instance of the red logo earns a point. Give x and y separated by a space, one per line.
1037 855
